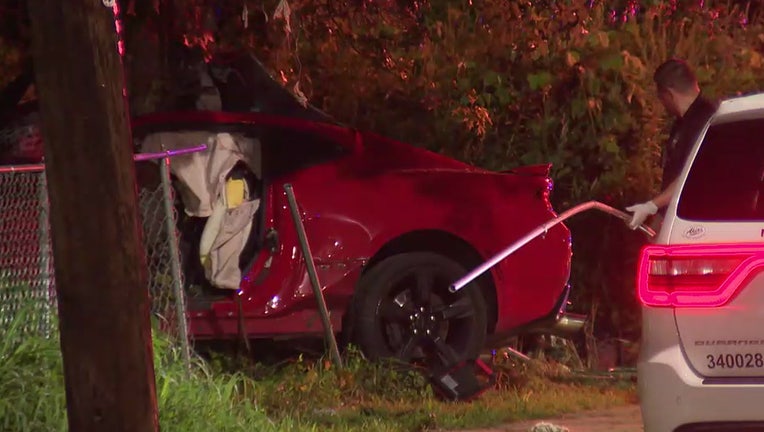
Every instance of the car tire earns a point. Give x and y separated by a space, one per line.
393 316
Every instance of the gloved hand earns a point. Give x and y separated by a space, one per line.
641 212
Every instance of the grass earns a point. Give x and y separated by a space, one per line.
225 394
492 409
382 398
32 396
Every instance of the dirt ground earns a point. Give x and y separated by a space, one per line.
621 419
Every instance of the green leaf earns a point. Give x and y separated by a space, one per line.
387 32
539 80
563 171
530 158
578 108
609 145
603 39
502 96
491 78
612 61
704 74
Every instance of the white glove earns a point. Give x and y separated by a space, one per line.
641 212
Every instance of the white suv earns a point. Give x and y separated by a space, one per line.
701 284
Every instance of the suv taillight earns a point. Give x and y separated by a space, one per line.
696 275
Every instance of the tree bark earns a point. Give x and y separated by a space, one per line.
100 266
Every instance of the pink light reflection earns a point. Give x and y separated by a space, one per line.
118 27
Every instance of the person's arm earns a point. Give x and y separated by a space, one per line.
664 198
649 208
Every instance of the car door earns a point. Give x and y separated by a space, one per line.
312 163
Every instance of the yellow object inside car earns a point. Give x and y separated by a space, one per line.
235 192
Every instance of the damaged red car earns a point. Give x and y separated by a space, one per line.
390 226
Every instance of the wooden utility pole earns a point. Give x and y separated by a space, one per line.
101 276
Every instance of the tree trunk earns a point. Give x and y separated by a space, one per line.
100 265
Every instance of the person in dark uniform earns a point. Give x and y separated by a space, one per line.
680 94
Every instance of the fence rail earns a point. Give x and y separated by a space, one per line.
27 279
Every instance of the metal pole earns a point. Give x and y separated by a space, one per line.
43 233
329 332
543 228
177 276
138 157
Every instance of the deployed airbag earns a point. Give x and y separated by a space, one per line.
209 192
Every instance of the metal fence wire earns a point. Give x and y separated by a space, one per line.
26 260
161 240
27 282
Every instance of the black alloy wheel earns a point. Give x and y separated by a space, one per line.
403 310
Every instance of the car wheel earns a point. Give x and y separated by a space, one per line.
403 310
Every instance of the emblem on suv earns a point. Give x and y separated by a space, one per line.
695 232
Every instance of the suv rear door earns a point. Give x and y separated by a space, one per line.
711 274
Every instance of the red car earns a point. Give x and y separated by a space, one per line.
390 226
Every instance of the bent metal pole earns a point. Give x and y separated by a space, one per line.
541 229
313 275
138 157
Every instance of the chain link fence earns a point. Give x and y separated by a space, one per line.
161 240
27 282
26 260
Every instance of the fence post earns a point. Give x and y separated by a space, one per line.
43 233
175 270
313 275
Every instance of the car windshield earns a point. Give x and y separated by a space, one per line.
725 180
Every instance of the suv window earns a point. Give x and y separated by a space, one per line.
725 180
288 150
